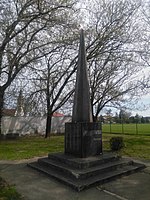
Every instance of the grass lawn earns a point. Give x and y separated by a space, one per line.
143 129
29 147
137 146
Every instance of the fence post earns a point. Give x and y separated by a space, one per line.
110 126
136 128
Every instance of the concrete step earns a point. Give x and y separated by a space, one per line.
82 163
77 173
80 184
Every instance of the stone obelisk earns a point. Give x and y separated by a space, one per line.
82 105
83 137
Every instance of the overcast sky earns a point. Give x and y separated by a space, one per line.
145 100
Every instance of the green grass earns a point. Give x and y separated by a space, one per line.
28 147
8 192
143 129
137 146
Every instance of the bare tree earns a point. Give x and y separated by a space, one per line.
59 88
54 84
113 53
23 35
145 54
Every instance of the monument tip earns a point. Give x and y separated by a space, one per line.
81 27
82 111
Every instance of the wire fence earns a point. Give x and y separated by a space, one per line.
135 129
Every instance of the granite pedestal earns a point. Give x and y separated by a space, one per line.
83 139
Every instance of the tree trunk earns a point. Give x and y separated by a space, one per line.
48 124
1 108
94 118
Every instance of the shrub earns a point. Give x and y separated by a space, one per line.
116 143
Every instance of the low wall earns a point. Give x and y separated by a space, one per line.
32 125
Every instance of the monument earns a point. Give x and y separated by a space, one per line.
83 137
83 163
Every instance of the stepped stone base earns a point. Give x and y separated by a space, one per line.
82 173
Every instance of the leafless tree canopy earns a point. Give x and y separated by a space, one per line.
27 29
39 47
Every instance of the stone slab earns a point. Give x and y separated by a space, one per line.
82 163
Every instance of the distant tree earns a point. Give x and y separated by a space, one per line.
102 119
142 120
147 119
132 119
109 118
137 119
116 118
124 116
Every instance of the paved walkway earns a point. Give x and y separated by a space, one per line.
36 186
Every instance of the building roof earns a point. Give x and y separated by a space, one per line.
9 112
57 114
